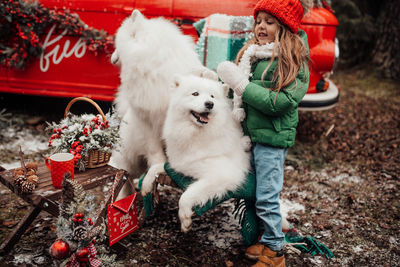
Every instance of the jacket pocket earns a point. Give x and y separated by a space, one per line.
276 122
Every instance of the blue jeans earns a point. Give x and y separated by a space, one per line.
268 165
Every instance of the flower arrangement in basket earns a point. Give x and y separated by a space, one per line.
90 138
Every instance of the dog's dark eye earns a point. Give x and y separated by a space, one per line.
195 94
212 96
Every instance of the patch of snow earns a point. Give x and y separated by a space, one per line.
11 165
289 168
4 192
20 259
29 142
40 260
316 260
227 231
345 177
288 206
358 249
45 193
393 240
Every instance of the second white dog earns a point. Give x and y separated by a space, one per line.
203 141
149 52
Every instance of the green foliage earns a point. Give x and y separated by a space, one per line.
23 23
358 29
74 201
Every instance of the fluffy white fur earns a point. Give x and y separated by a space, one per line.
202 141
149 52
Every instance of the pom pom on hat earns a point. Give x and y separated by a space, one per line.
288 12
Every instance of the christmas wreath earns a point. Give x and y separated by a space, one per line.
22 23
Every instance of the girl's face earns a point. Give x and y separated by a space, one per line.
266 27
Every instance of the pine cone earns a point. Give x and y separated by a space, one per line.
33 179
19 180
18 172
68 195
27 187
80 233
30 172
32 166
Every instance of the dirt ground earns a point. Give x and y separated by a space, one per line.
344 169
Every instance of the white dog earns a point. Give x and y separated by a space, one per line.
203 141
149 52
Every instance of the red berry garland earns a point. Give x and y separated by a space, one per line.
23 23
75 150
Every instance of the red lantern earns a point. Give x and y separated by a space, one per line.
59 250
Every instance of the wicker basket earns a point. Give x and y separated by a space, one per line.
96 158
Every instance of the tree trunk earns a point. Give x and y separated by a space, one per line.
387 49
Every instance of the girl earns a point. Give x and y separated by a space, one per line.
276 60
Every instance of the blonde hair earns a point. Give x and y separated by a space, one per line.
291 56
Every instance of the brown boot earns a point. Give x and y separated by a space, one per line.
254 251
270 258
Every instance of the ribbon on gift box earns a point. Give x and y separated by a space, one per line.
122 216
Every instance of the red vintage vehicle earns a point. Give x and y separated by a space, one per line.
67 69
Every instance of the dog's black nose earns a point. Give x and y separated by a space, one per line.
209 104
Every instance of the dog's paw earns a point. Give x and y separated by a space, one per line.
185 216
238 114
185 213
148 183
246 143
150 179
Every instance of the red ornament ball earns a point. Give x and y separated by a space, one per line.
83 254
59 250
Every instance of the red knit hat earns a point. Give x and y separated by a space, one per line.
288 12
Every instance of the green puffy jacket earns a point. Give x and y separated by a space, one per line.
272 117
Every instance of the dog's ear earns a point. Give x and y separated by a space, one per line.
209 74
136 16
204 72
225 88
176 81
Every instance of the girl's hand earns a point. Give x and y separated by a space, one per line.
233 76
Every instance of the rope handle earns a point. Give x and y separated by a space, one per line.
82 98
118 176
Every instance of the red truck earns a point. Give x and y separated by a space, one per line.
67 69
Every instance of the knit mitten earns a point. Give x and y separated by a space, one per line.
233 76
